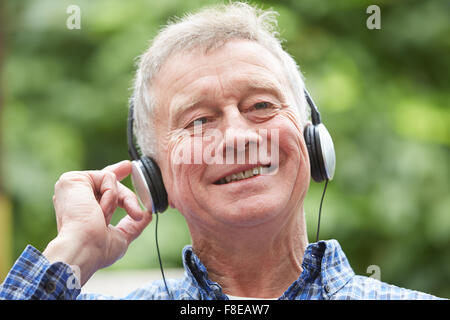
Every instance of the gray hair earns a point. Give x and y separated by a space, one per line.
209 28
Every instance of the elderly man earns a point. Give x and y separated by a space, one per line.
212 87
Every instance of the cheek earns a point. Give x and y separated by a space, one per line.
181 165
290 134
293 143
292 148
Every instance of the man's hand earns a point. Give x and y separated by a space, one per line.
84 203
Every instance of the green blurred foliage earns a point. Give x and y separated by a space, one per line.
383 94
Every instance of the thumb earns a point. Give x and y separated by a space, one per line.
131 228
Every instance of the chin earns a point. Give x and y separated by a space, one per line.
250 212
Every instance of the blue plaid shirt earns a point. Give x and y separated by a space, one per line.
326 275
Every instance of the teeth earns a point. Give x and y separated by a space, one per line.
243 175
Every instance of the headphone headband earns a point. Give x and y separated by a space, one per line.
315 114
132 150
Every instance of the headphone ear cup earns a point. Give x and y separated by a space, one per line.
325 151
311 145
321 174
155 185
142 185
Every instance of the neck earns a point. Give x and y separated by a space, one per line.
260 262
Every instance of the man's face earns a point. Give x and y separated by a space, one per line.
229 104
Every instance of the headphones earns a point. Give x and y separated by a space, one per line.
145 174
320 146
147 179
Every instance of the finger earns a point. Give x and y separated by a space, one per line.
128 200
130 228
121 169
109 196
106 191
113 193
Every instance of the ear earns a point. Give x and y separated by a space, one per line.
171 203
307 123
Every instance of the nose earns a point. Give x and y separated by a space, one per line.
241 139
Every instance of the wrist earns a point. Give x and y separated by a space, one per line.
73 253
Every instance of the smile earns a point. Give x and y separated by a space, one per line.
256 171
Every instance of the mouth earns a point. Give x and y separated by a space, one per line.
244 174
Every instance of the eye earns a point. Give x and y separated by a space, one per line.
261 111
197 122
261 105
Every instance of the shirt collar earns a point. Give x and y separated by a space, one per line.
197 273
324 258
335 268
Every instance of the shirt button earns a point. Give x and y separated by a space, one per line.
327 288
50 287
215 287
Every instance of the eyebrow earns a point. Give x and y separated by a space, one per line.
264 84
184 105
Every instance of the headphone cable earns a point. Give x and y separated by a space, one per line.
159 257
320 209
